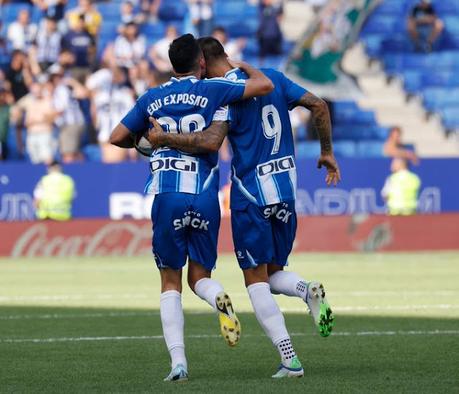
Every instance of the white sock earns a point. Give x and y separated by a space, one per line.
289 284
270 318
207 289
173 321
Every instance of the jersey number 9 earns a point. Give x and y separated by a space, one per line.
272 125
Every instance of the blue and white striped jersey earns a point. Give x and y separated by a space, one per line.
263 165
183 105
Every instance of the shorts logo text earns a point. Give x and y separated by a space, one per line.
282 214
191 219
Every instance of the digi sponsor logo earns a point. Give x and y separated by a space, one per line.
282 214
191 219
174 164
276 166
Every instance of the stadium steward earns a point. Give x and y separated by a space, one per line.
401 189
54 195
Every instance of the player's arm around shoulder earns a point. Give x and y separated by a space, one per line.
206 141
121 137
258 84
135 121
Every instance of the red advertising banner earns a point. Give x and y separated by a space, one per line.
315 234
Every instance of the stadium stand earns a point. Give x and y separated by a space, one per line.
356 130
431 76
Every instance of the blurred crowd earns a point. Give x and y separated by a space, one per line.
61 90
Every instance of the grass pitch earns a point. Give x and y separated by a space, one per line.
92 325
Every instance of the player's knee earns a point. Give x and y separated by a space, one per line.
196 272
256 275
171 280
171 286
273 268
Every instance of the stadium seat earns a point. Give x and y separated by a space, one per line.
412 81
442 78
391 8
380 24
308 149
153 29
345 148
450 118
172 11
451 24
370 148
92 152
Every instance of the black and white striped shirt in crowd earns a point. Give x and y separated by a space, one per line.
48 46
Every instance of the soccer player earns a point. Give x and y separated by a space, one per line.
263 194
185 212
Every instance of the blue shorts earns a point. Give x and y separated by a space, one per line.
264 235
185 225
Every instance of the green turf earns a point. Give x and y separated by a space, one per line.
397 328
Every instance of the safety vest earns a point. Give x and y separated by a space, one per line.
57 192
402 194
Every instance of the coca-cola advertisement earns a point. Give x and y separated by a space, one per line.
319 234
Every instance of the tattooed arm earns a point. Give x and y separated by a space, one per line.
320 119
322 124
207 141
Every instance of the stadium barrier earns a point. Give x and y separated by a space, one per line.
315 234
120 194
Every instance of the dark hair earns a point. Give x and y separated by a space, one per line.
184 53
212 49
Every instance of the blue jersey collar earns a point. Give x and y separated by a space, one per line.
231 71
190 77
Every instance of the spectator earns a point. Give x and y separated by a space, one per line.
39 114
54 195
70 118
91 17
129 47
233 48
112 98
65 61
19 75
47 44
83 46
202 15
401 189
21 33
141 78
150 9
53 9
393 147
128 15
159 52
6 99
269 32
424 26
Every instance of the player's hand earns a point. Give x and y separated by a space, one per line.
328 161
155 133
